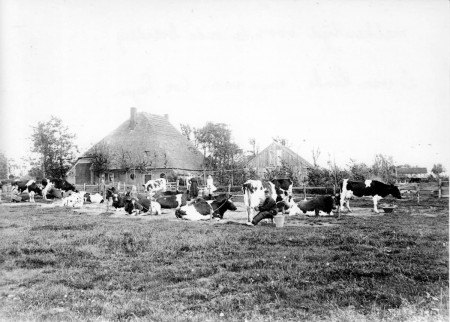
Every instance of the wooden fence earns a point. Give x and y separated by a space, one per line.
439 189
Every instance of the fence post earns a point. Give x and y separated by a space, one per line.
418 193
304 190
84 186
440 188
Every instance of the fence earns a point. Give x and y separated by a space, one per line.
171 186
439 189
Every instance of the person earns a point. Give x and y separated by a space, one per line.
194 188
15 193
210 186
1 190
267 210
134 193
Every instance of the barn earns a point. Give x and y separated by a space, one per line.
410 174
144 147
272 158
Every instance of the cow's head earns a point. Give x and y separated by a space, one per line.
395 192
221 204
87 197
329 203
110 192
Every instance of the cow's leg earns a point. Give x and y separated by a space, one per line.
347 205
341 204
375 202
31 194
249 214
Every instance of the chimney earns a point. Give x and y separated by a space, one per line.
133 118
166 116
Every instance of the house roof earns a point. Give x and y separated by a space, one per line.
416 170
294 155
154 134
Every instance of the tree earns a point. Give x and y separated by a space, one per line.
359 171
54 144
280 140
315 155
186 131
438 169
3 166
383 168
215 141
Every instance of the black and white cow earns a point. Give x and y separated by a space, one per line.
205 210
317 204
156 185
57 183
29 187
93 198
280 190
118 199
376 189
142 206
172 201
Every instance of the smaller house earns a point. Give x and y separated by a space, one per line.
272 157
410 174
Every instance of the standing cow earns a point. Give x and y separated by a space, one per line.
376 189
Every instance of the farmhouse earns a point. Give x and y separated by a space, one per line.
273 157
410 174
147 146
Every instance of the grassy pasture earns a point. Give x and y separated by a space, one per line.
57 264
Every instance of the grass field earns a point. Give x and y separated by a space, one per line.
58 264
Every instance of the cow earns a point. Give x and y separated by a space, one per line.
75 200
142 206
156 185
93 198
172 202
320 203
280 190
204 210
374 188
60 184
31 187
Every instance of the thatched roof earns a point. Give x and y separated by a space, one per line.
149 135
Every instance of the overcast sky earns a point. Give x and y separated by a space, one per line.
352 78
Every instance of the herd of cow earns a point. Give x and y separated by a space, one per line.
156 197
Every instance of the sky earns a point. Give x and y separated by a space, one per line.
350 78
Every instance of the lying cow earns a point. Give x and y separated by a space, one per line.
142 206
376 189
173 201
204 210
30 187
57 183
93 198
75 200
320 203
280 190
118 199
